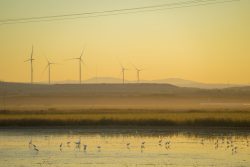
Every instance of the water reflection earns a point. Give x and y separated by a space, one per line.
124 147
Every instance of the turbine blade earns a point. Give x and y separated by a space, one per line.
47 59
134 66
31 56
82 62
45 68
27 60
82 53
54 63
72 59
119 62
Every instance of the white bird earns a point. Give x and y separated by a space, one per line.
78 142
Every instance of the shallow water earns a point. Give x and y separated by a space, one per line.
190 148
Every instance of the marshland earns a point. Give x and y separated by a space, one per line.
123 105
126 117
76 146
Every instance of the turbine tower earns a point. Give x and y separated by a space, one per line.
48 66
123 73
80 66
31 65
138 74
138 70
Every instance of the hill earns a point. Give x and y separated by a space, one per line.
173 81
143 95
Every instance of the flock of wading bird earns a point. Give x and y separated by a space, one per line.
80 61
227 143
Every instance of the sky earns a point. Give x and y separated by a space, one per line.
202 43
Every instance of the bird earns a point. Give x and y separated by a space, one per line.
222 140
142 145
68 143
99 148
202 141
159 143
30 142
128 144
84 147
78 142
167 147
234 150
61 146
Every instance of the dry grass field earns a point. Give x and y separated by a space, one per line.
122 105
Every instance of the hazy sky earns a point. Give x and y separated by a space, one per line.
205 43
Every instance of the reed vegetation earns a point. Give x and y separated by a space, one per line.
126 117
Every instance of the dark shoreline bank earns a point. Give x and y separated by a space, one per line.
224 123
207 132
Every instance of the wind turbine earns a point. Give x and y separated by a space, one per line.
138 70
123 73
80 66
138 74
31 65
48 66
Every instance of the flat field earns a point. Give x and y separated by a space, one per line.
122 105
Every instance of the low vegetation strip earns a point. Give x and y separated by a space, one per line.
125 118
128 122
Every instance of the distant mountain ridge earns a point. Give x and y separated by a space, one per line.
173 81
193 84
37 96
